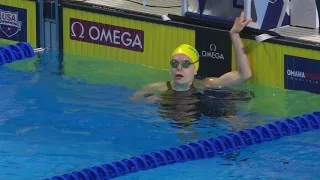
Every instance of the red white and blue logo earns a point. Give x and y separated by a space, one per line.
13 23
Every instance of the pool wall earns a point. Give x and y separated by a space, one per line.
283 66
109 33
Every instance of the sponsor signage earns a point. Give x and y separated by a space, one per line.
215 52
13 23
107 35
302 74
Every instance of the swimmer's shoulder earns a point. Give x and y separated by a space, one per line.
206 83
157 87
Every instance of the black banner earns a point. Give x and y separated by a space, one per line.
215 50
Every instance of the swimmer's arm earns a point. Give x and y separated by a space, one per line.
140 94
243 72
242 63
148 91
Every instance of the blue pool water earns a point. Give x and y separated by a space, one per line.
59 117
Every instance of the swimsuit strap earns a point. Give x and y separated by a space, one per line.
193 89
169 85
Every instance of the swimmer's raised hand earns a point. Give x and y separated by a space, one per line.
243 69
240 23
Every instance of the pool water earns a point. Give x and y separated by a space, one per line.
63 116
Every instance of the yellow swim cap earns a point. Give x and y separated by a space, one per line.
190 51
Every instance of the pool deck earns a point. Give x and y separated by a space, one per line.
306 34
155 7
164 7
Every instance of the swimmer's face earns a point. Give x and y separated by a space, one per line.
182 69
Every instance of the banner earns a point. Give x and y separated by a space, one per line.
106 34
302 74
215 49
13 23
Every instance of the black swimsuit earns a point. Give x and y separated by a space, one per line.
180 106
185 107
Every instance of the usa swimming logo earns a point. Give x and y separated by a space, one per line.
13 23
9 23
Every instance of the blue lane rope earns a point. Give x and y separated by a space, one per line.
19 51
199 150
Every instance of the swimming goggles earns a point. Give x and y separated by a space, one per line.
185 63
